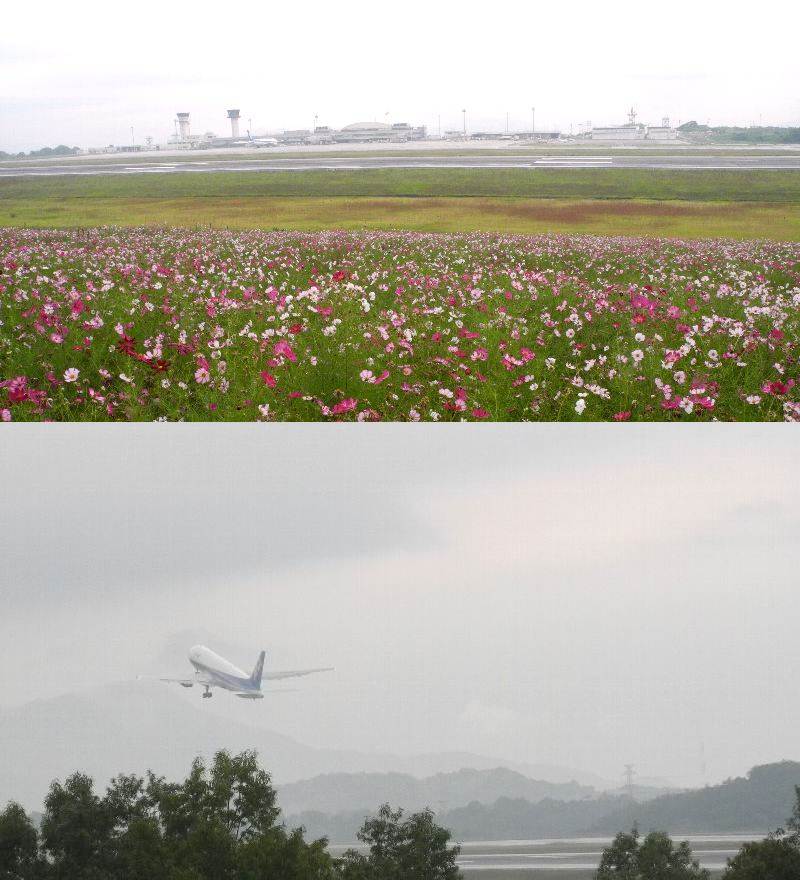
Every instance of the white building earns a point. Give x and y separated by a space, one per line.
365 132
619 133
662 133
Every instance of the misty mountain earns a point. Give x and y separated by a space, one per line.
642 793
344 792
133 727
505 819
760 801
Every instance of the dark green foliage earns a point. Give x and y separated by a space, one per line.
76 830
19 852
776 858
220 823
655 858
287 856
770 859
415 848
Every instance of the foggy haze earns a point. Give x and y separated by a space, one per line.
586 598
84 73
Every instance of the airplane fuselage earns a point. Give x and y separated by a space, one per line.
211 670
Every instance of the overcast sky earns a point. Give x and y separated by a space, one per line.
587 597
85 72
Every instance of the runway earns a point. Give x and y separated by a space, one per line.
334 163
573 858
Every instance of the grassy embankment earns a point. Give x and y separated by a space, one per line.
737 204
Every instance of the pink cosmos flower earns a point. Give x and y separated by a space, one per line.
268 379
282 347
777 388
17 389
202 376
622 416
344 406
5 415
480 413
71 374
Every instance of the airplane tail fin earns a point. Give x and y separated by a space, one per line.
255 678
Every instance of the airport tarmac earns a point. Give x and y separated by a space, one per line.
677 162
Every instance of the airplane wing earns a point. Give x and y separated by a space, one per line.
293 673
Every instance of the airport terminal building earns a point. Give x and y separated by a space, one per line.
377 132
634 133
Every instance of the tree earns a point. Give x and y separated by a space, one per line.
770 859
208 818
777 857
276 854
19 845
218 824
655 858
76 830
412 849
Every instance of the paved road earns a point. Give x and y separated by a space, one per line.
333 163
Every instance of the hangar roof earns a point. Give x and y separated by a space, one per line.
367 126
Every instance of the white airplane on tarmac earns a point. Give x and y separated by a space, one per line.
256 141
262 141
213 671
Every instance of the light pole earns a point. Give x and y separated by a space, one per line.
533 122
316 117
133 142
464 112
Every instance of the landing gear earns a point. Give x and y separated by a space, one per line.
207 693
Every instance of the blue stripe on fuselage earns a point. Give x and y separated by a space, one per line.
233 681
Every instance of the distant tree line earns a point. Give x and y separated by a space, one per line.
43 153
220 823
728 134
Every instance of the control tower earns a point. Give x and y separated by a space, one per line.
233 115
183 127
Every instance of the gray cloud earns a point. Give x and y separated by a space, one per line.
576 595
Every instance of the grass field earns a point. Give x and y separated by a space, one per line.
750 220
141 324
579 183
680 204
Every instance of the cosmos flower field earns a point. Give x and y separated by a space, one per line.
173 324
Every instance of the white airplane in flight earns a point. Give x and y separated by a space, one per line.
212 671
